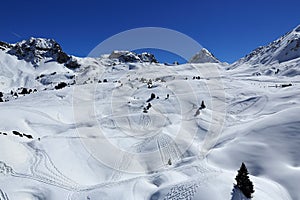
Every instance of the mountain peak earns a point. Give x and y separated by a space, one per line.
34 50
285 48
39 43
204 56
272 58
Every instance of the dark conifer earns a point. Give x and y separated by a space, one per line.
202 105
243 181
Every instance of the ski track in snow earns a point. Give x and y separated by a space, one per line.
43 169
3 195
182 192
188 189
168 149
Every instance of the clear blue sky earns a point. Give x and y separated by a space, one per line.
229 29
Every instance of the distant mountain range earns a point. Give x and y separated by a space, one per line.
280 57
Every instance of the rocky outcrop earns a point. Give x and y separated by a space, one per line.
35 50
4 45
127 56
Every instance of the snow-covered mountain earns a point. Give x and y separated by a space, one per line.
204 56
41 64
34 65
36 49
280 57
127 56
122 126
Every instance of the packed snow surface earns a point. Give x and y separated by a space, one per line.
137 130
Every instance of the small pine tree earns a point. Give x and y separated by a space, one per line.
202 105
169 162
243 181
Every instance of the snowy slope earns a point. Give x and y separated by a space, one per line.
280 57
262 129
103 136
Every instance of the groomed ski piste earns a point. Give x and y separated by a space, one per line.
112 139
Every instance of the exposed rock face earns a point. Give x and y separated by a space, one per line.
36 49
72 63
147 57
4 45
62 57
127 56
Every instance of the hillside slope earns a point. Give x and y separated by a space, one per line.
139 130
280 57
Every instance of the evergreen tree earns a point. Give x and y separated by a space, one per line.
243 181
169 161
202 105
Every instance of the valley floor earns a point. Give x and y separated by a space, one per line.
115 140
